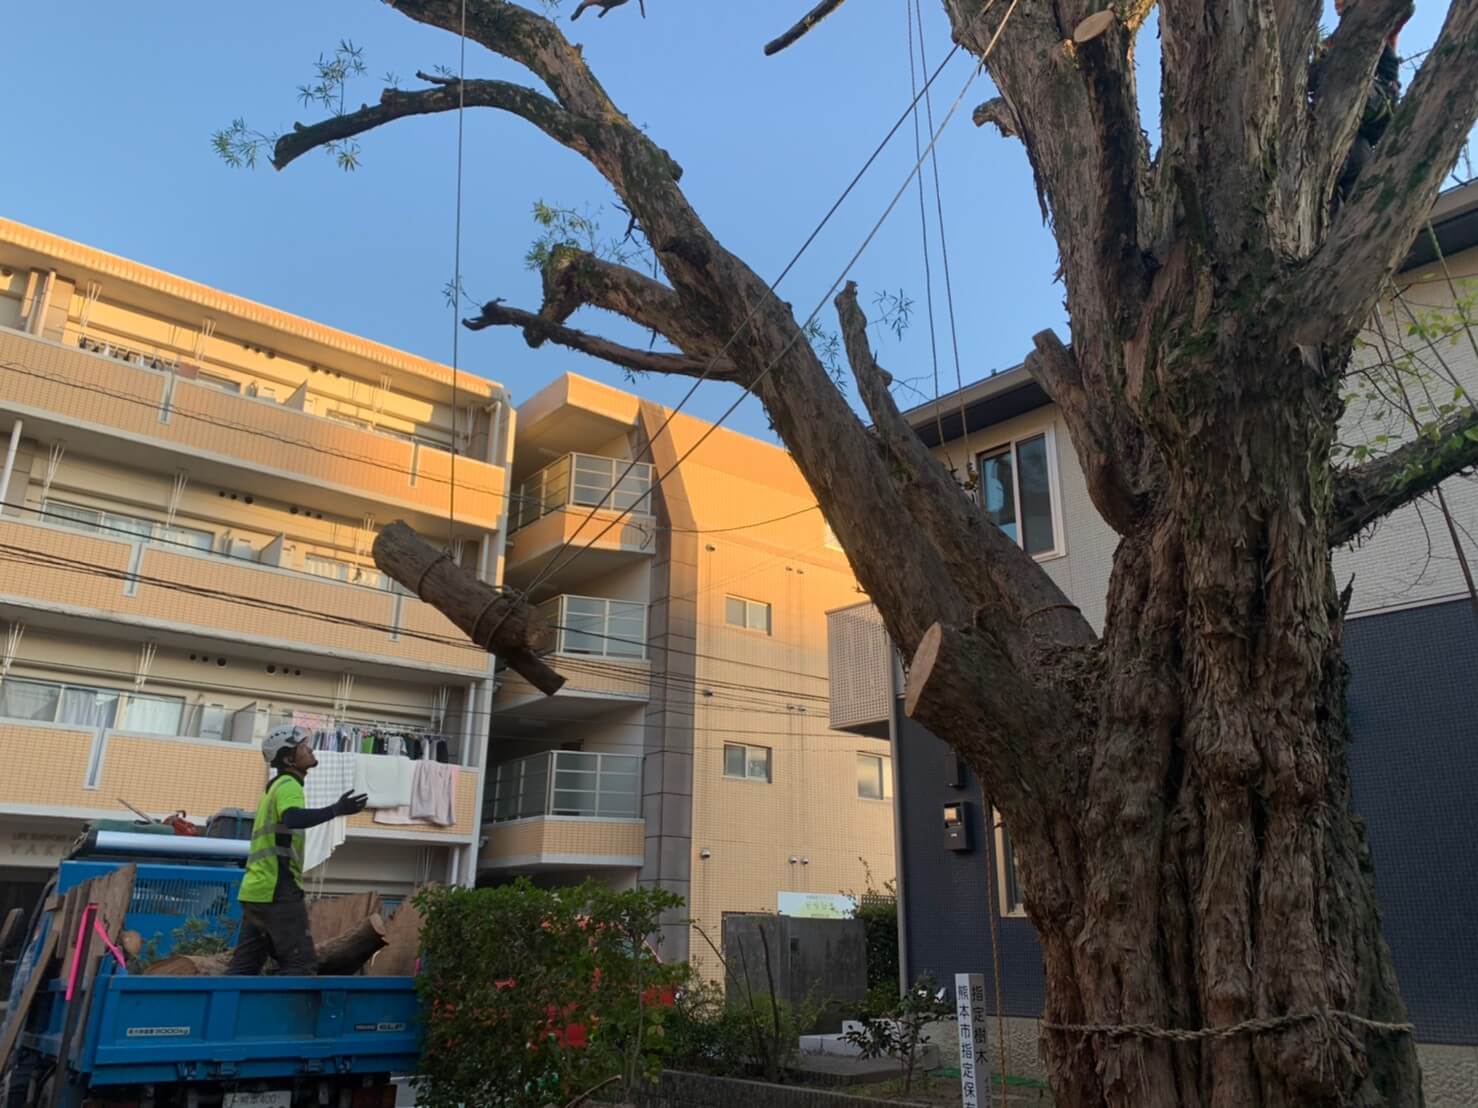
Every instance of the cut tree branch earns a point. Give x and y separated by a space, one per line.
396 103
802 28
1393 197
1056 369
1365 493
537 329
975 550
955 668
997 111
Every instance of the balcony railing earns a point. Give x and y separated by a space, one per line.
583 480
590 625
568 783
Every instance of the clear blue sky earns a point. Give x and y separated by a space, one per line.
109 138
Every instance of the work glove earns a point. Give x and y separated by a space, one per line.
351 803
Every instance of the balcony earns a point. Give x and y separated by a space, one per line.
550 507
859 654
149 406
171 588
56 769
565 809
600 648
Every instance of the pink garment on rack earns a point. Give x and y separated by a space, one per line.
434 793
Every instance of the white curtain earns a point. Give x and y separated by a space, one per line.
153 716
89 707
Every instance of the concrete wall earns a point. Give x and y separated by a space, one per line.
820 963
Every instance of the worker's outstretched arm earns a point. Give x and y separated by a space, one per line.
300 819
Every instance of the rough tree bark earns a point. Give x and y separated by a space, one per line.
1177 786
501 623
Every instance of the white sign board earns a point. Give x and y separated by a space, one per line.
817 905
970 1010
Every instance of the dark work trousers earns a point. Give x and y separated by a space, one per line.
280 931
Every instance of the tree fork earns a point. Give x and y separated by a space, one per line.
502 624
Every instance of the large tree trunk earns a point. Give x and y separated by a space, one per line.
1222 874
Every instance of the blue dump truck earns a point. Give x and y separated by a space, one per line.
81 1031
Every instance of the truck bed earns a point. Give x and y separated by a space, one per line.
156 1030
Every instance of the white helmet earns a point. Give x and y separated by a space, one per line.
283 738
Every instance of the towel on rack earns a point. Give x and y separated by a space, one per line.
324 784
395 817
434 795
386 780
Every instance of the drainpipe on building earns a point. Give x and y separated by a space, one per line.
893 731
15 442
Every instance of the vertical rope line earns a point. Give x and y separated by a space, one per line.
456 297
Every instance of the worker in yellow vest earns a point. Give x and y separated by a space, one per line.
274 915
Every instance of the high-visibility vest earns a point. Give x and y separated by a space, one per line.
260 883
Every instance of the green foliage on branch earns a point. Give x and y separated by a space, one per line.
535 996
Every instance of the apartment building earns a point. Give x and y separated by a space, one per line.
1411 641
191 486
688 572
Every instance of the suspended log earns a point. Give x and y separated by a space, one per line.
501 623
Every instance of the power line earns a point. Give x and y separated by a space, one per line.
800 331
754 309
949 292
81 565
278 695
924 225
27 556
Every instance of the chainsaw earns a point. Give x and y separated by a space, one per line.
176 823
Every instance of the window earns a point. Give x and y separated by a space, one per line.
85 706
1016 492
873 771
752 615
591 625
752 762
829 537
1008 871
593 478
118 526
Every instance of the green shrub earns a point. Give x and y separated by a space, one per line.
533 996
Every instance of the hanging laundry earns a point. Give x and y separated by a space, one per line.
385 780
395 817
323 785
434 795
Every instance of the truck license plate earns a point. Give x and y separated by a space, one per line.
259 1100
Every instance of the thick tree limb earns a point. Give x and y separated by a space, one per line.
1342 81
575 278
537 329
1376 226
395 104
1363 494
802 28
1056 370
973 547
911 583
